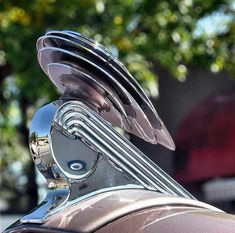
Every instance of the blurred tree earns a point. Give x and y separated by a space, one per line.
143 33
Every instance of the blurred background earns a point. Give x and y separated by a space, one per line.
183 54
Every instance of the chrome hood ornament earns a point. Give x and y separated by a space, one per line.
72 141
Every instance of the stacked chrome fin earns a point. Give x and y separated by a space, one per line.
83 69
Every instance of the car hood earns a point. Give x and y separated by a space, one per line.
135 211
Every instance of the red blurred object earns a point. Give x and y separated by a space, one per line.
206 140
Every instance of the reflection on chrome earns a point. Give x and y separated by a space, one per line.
72 140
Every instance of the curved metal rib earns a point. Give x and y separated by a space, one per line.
76 119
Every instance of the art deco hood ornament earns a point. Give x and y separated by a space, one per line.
72 141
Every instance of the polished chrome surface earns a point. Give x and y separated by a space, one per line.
72 165
83 69
72 140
